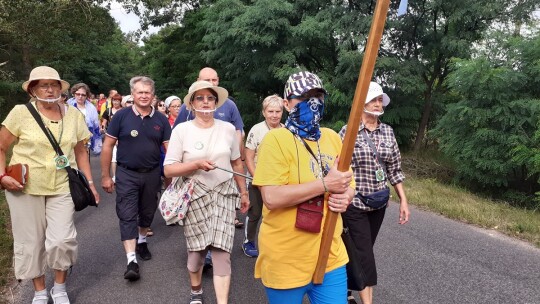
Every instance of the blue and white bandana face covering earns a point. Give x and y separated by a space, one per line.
304 119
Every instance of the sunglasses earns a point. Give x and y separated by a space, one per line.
161 105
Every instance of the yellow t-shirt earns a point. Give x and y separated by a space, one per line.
287 255
34 149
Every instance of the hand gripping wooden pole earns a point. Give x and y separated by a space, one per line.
362 86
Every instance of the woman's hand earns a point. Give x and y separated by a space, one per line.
244 203
95 193
203 164
404 212
11 184
338 202
336 181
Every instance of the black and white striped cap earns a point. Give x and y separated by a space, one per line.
300 83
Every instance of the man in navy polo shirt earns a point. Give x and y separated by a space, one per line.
140 131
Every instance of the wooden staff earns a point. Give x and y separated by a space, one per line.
362 86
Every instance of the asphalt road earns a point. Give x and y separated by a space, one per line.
430 260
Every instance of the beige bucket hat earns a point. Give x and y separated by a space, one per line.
44 72
199 85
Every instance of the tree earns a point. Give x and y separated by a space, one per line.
434 32
172 57
86 48
490 132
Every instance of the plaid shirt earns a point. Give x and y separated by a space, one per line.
210 217
364 164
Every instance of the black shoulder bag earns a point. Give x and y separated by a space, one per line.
379 199
79 187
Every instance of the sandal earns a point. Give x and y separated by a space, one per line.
149 232
238 224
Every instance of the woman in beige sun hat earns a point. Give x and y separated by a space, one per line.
42 210
197 148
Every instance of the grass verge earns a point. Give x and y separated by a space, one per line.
459 204
6 250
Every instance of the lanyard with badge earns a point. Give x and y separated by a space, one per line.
60 160
379 173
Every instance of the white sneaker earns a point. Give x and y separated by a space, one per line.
59 297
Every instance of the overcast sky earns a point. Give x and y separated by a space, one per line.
128 22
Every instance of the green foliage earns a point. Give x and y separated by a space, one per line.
86 47
172 57
492 132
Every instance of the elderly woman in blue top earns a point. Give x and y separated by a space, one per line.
376 160
81 101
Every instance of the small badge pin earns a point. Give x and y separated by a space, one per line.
134 133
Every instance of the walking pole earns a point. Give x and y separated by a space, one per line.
360 94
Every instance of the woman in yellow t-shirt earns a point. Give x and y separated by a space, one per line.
296 165
42 210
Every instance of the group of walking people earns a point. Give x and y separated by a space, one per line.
294 172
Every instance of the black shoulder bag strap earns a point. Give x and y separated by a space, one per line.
319 160
49 135
47 132
374 150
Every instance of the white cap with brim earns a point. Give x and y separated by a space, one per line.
125 100
44 73
376 90
200 85
170 99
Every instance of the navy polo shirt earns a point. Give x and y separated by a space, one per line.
139 137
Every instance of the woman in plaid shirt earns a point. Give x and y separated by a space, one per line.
376 160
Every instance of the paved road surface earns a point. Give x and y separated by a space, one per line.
430 260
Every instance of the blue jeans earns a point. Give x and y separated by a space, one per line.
333 290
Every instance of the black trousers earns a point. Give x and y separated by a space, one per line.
364 227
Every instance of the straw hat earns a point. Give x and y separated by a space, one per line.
44 72
199 85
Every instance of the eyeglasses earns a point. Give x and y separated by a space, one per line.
80 94
201 98
45 87
175 107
